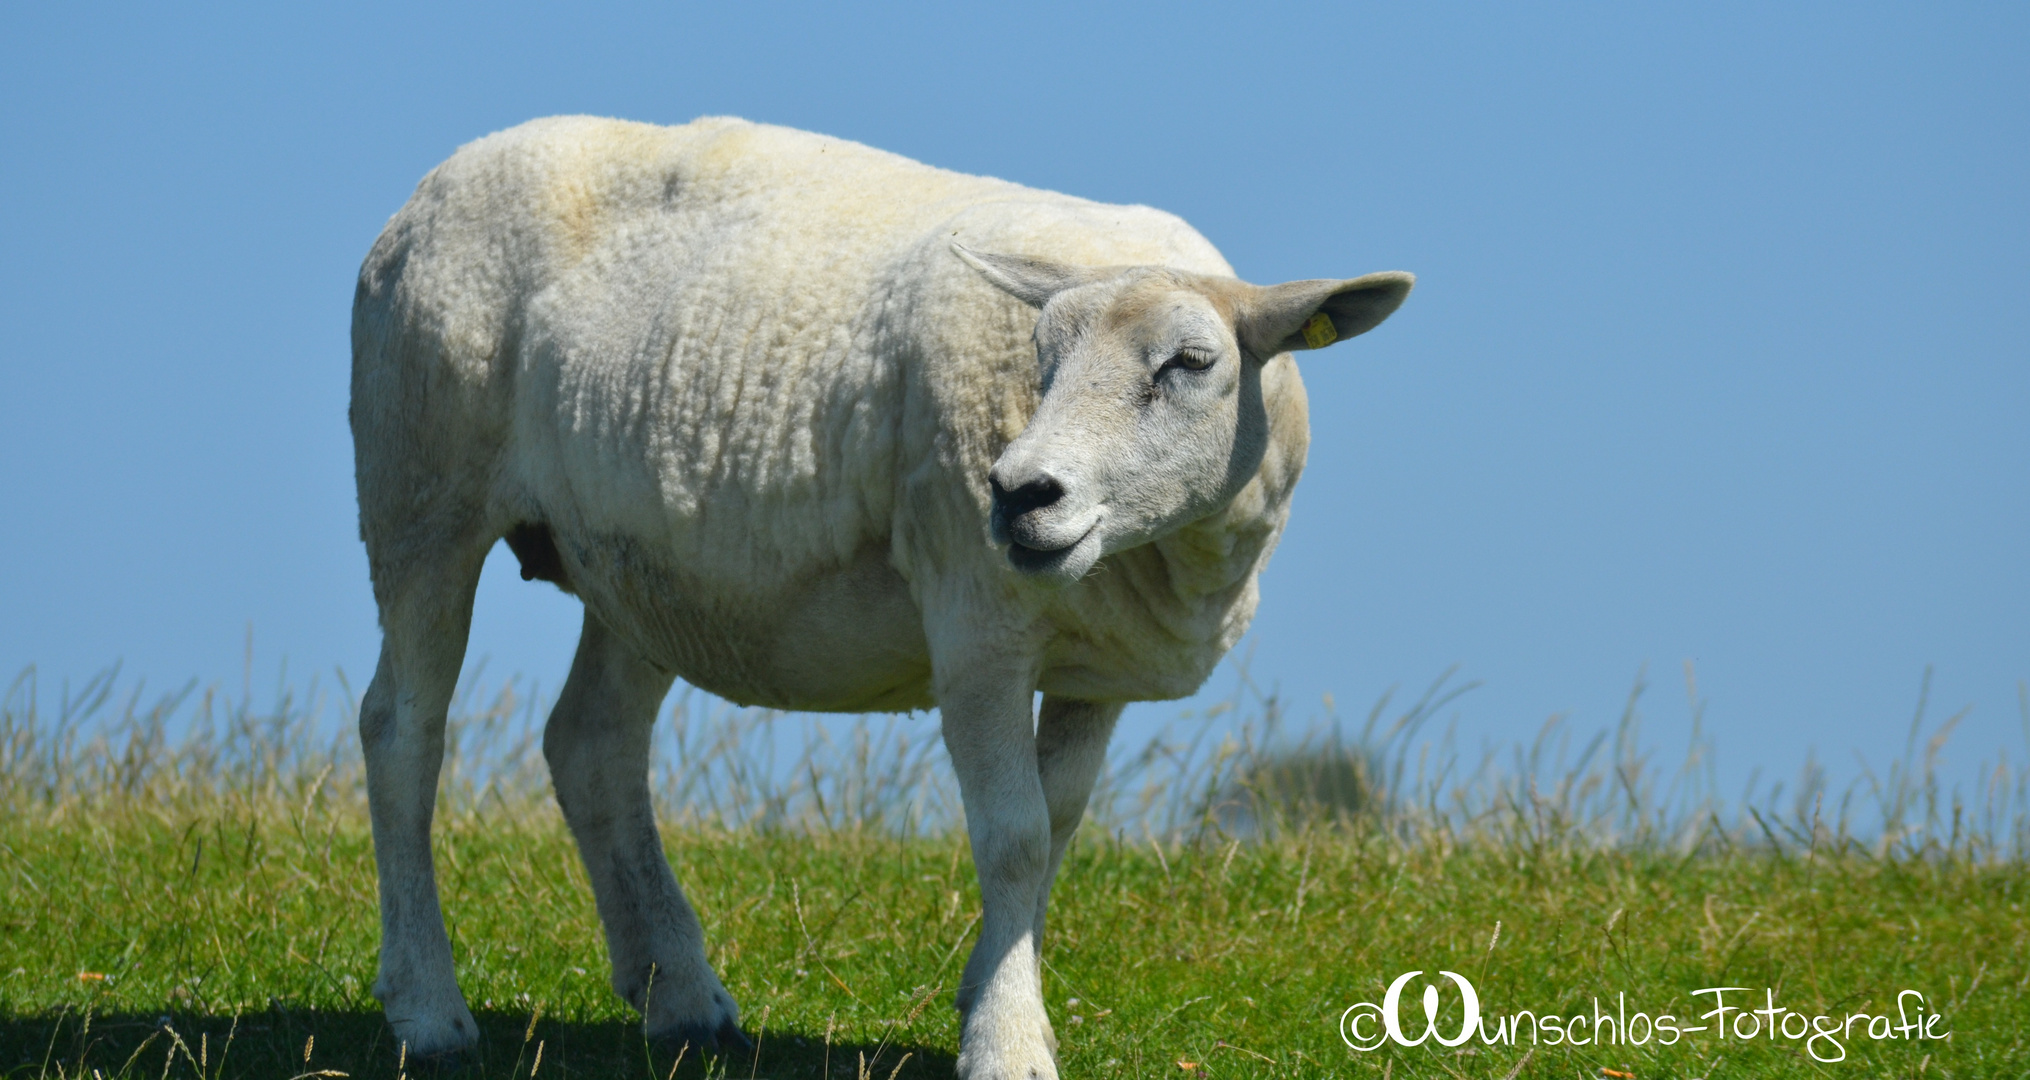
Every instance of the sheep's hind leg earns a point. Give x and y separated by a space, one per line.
597 744
425 616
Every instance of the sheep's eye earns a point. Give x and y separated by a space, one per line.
1190 361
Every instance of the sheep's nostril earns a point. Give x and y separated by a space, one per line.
1031 495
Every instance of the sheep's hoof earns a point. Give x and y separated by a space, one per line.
439 1062
437 1044
727 1038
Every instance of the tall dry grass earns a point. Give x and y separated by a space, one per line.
1239 769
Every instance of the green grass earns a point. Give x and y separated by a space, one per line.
206 907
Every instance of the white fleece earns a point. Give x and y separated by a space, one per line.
743 380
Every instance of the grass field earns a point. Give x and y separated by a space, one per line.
203 905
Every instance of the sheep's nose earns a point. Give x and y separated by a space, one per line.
1035 493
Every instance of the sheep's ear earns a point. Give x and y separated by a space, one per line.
1314 314
1032 281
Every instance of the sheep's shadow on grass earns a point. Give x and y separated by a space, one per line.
283 1043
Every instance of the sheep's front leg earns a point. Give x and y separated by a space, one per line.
983 704
1071 746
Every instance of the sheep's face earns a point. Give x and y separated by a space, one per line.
1152 414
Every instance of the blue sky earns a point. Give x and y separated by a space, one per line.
1720 352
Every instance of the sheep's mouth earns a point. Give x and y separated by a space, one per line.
1030 560
1047 561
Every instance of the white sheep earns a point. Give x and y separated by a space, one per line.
766 403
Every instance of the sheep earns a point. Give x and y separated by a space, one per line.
811 426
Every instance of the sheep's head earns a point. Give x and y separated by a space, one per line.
1152 413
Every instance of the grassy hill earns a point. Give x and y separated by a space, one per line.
202 905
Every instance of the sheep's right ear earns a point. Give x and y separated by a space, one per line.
1032 281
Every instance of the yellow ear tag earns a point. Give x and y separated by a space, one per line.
1319 331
